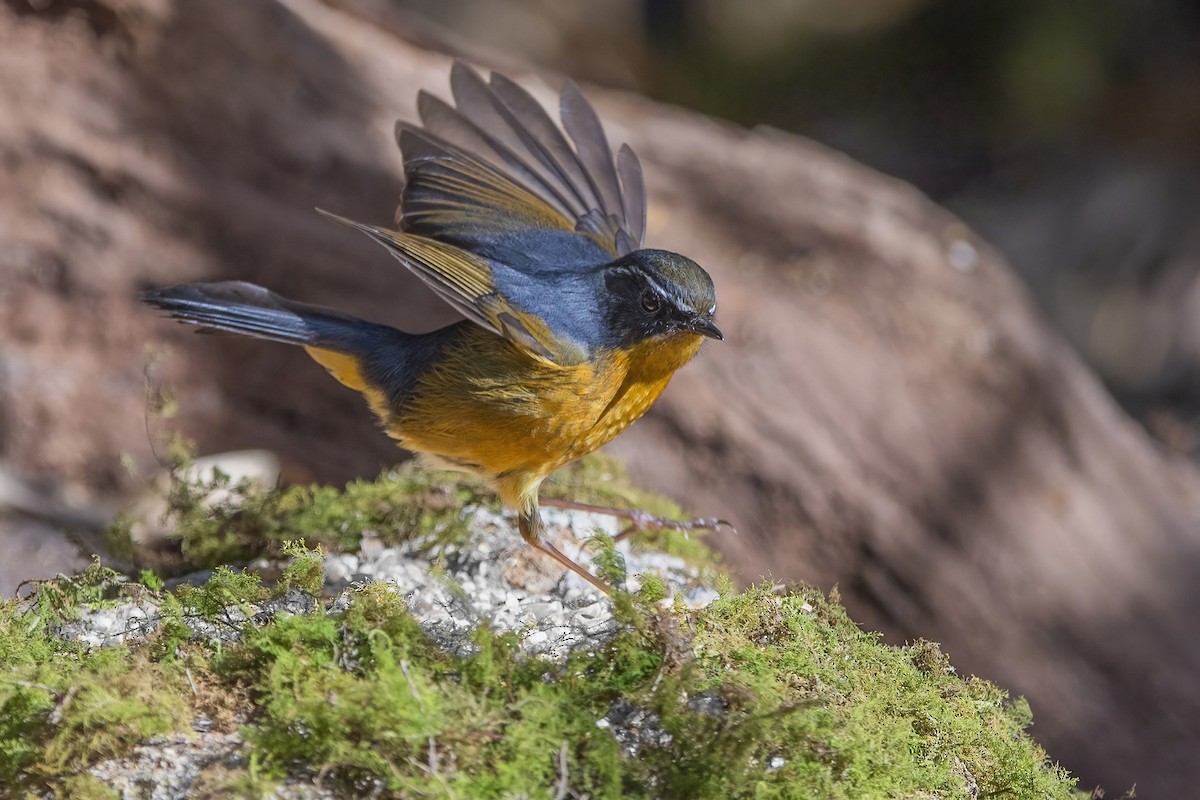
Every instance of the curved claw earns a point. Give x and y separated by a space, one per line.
716 525
643 521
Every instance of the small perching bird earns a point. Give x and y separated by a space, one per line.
571 330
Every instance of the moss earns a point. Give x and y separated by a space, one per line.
653 589
761 695
111 701
386 707
304 572
808 706
63 705
88 787
874 720
811 706
216 520
399 505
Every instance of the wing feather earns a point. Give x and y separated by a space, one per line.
465 281
446 123
497 132
583 126
529 115
479 103
633 193
447 188
497 195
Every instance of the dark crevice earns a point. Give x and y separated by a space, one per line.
101 19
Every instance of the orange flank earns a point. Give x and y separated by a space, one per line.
496 410
346 370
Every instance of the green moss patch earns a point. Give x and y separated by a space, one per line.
760 695
62 704
841 715
219 521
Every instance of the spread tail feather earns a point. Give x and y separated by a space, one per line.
339 342
239 307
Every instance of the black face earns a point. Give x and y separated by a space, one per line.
656 293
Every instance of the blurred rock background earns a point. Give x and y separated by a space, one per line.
1067 134
890 414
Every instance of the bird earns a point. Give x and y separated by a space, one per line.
534 232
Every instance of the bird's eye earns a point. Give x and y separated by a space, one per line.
650 301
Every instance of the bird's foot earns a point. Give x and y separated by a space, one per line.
641 520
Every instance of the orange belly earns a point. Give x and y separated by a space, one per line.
490 408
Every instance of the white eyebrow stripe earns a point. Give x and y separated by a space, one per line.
655 285
680 305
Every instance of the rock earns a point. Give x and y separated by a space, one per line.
634 728
377 691
888 413
173 768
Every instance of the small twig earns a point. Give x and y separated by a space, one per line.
431 769
564 785
57 714
412 686
188 672
658 676
30 685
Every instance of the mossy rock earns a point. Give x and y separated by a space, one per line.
761 694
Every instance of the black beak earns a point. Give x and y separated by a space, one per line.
706 327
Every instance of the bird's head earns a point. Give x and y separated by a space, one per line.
657 293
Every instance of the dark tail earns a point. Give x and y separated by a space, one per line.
244 308
369 358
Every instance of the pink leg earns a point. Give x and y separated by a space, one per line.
530 525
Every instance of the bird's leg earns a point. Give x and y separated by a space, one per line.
639 520
530 525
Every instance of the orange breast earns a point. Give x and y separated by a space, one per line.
647 368
492 409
